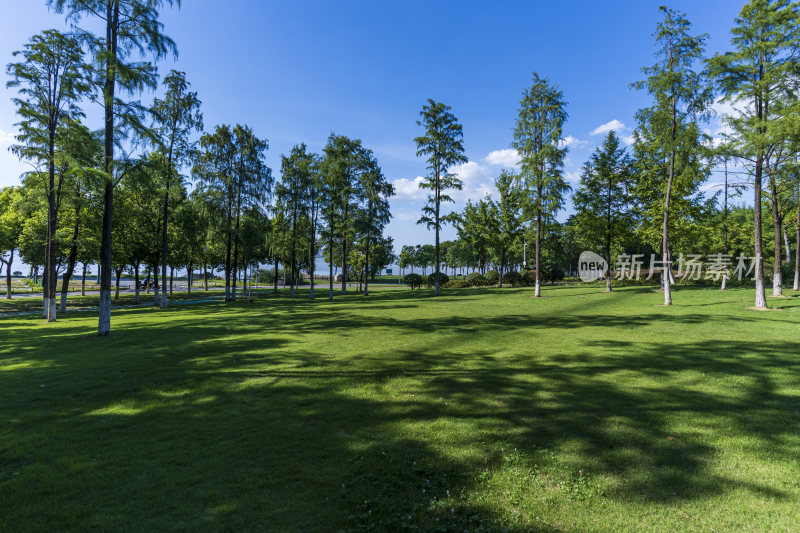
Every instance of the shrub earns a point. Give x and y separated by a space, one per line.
476 280
431 280
512 278
492 277
554 275
456 284
413 280
529 278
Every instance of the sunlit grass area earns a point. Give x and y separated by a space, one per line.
480 410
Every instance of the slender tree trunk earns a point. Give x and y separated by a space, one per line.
330 264
156 286
112 26
171 277
205 277
275 277
761 299
608 237
8 273
45 288
118 272
777 275
537 293
49 288
228 262
502 269
796 285
608 259
293 279
189 278
68 276
312 263
136 282
725 228
344 254
366 268
665 251
83 281
438 197
164 251
236 249
71 261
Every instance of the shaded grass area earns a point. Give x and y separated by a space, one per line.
481 410
77 302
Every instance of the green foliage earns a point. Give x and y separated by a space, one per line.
529 278
430 281
475 279
443 147
413 280
457 284
603 202
492 277
537 139
671 151
512 278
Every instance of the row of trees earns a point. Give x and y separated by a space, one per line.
653 196
124 188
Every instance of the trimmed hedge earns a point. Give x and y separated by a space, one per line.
492 277
456 284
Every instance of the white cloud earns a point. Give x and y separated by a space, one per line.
406 216
614 125
573 178
477 180
6 137
505 158
570 141
406 189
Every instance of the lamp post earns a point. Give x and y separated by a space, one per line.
525 254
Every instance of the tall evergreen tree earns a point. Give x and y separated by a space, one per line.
602 201
759 72
292 194
681 98
129 27
508 218
443 147
175 116
51 81
537 139
375 192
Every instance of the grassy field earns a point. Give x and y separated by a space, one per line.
482 410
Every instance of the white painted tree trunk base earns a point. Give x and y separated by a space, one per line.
761 298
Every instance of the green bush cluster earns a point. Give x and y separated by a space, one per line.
457 284
413 280
492 277
512 278
431 280
475 279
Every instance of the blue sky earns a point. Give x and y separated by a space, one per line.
296 71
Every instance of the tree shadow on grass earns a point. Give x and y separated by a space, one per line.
235 425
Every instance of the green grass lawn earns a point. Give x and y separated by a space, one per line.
481 410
